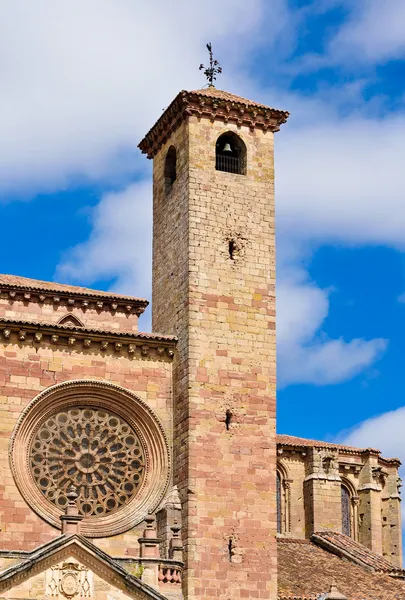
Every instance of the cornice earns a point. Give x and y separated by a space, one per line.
144 345
295 446
227 110
82 300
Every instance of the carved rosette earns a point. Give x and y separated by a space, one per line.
103 440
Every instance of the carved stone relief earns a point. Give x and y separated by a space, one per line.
69 580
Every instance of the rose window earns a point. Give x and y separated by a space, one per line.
94 450
102 439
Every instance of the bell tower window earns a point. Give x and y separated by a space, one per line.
170 168
230 154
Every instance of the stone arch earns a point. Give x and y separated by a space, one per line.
70 319
230 153
103 401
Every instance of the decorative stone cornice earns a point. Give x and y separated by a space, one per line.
134 345
322 477
109 303
350 467
216 106
366 487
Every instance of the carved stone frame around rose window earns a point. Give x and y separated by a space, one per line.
131 408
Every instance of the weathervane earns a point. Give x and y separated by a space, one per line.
213 70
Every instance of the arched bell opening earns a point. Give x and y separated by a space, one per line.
230 154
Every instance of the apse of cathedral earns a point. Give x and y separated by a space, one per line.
147 465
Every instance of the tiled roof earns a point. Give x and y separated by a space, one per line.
291 440
344 546
17 282
37 324
212 92
305 570
213 104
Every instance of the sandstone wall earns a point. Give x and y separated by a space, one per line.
223 310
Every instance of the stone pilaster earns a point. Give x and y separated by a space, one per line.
391 517
149 548
370 507
322 491
71 519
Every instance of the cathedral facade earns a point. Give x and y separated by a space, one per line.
147 465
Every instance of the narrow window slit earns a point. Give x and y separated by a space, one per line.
228 419
231 248
230 549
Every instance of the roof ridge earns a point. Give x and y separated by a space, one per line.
342 545
292 440
27 283
213 92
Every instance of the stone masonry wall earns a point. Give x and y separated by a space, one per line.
314 497
24 372
223 310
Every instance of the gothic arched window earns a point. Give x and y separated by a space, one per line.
170 173
346 511
283 500
279 516
230 154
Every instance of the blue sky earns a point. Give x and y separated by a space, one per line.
82 83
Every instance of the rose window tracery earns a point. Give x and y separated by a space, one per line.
92 449
102 439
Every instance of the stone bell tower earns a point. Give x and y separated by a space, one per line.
214 288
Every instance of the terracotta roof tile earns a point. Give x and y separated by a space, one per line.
291 440
307 570
15 281
217 105
344 546
212 92
37 324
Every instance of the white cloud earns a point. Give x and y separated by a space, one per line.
341 181
384 432
119 246
305 354
374 32
83 81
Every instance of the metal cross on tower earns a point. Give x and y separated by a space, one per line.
213 70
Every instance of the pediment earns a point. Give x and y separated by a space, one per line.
72 568
71 320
